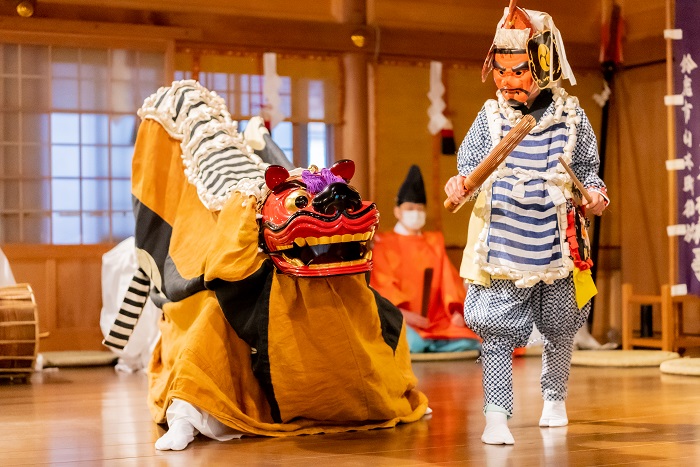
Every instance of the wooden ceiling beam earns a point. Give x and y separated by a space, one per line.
73 27
460 47
283 35
274 34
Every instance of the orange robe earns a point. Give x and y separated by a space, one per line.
399 265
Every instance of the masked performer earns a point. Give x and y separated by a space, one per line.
412 270
269 326
526 256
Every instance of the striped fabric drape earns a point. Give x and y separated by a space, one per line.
130 311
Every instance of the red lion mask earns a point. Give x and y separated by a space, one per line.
316 224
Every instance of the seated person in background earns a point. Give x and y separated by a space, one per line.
412 270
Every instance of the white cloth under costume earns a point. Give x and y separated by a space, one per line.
118 267
6 277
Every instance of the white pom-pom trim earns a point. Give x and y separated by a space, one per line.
162 106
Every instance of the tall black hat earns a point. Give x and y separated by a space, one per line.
412 189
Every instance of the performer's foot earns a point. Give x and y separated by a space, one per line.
496 431
179 435
554 414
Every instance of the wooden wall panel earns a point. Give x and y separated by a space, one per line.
67 286
465 94
641 129
34 272
452 16
644 26
644 19
401 137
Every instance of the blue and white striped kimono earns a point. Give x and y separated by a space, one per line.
522 245
524 232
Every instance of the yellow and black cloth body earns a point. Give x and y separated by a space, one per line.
263 352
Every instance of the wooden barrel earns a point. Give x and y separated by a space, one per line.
19 331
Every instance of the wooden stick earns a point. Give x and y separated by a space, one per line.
576 181
495 158
427 287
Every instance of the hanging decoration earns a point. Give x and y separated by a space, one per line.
270 111
602 98
438 122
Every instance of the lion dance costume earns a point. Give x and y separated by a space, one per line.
268 323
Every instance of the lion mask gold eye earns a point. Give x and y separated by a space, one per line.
296 200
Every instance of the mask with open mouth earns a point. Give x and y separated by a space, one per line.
316 224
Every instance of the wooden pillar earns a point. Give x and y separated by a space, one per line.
437 195
671 148
668 321
353 136
627 316
354 142
669 308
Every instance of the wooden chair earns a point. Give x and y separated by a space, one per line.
672 337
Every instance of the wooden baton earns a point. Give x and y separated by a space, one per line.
576 181
495 158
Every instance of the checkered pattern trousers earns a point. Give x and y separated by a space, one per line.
503 315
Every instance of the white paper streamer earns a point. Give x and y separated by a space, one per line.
679 290
675 99
675 164
676 230
675 34
438 121
271 86
603 97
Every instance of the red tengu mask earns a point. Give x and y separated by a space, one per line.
511 72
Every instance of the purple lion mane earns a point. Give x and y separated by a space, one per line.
316 182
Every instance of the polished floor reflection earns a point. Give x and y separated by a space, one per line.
87 417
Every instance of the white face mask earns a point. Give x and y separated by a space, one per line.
413 220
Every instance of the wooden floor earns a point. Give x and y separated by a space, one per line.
88 417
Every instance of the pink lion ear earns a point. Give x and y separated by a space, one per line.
274 175
344 168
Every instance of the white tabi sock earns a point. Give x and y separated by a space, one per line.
496 431
180 433
554 414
